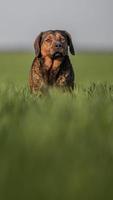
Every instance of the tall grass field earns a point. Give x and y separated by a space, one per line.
58 146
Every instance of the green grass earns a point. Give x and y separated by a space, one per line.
14 67
58 146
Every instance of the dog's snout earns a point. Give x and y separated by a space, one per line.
58 45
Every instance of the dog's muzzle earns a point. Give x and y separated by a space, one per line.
57 54
58 45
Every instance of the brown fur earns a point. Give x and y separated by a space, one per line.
52 66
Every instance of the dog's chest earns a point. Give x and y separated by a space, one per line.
50 71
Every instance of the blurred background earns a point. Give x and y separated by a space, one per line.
89 22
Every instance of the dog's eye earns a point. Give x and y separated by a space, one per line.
62 40
48 40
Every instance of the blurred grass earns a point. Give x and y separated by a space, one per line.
14 67
58 146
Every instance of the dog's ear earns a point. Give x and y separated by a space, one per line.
37 45
70 43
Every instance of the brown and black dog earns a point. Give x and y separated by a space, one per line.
51 65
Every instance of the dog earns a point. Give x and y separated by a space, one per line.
51 65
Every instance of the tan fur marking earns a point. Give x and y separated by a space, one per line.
56 63
47 62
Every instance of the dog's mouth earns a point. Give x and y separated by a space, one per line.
57 55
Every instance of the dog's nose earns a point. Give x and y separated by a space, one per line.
58 45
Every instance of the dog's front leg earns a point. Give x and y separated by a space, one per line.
66 80
36 81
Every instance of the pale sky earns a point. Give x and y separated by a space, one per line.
90 22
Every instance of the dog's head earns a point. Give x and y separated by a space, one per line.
53 44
